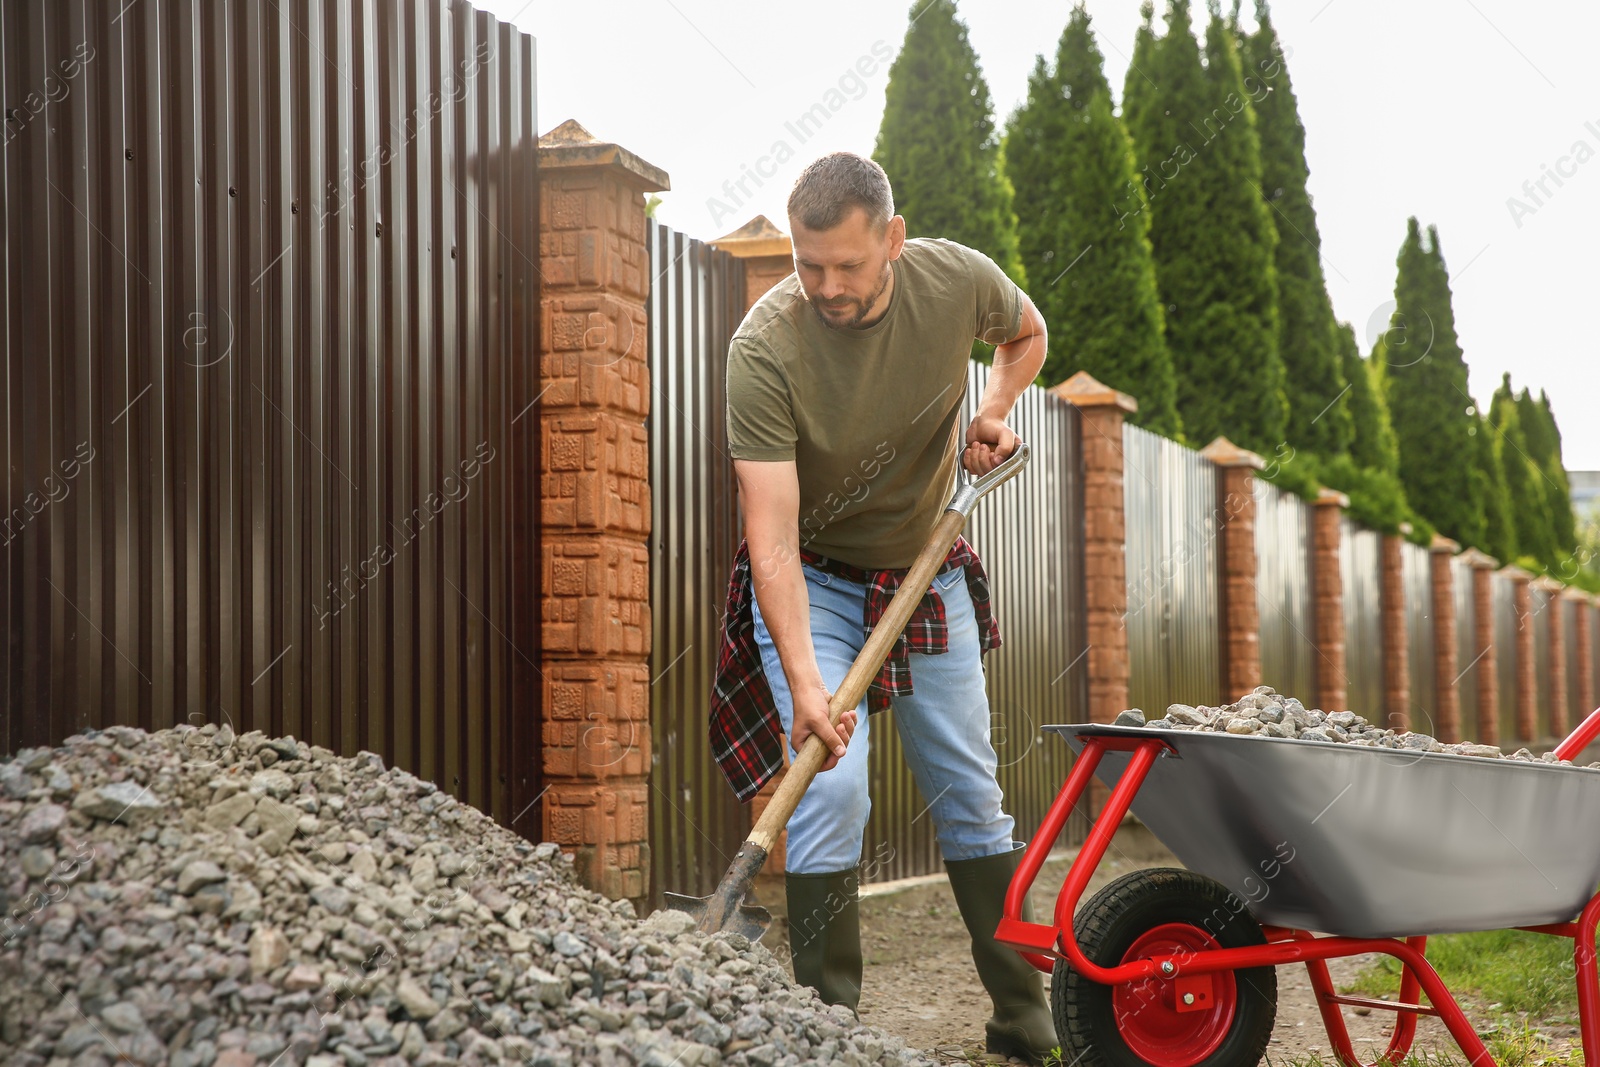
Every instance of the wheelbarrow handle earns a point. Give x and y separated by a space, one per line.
814 753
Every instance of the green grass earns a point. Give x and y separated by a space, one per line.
1509 970
1511 1045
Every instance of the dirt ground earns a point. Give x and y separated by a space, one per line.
920 984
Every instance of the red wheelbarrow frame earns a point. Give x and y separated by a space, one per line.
1042 944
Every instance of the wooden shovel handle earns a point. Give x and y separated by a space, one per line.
814 753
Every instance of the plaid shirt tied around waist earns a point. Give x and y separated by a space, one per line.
746 731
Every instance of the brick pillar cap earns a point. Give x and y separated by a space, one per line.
569 145
1441 543
1516 573
1083 391
1572 592
1476 558
758 237
1224 453
1326 496
1546 584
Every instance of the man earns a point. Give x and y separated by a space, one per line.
845 384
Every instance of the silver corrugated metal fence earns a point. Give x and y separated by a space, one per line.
1283 590
1539 609
271 298
1569 635
1030 535
1417 580
696 302
1171 503
1594 656
1360 566
1506 624
1466 647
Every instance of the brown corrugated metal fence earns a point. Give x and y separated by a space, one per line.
696 302
271 307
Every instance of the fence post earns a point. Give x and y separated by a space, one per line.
1240 615
767 255
1396 642
1556 657
595 497
1327 599
1446 697
1483 650
1583 650
1522 665
1105 565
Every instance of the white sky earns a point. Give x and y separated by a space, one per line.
1437 108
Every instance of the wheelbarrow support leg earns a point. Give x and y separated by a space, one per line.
1405 1026
1583 958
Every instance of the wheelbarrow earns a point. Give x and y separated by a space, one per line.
1371 848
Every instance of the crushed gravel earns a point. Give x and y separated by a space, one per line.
1266 712
199 899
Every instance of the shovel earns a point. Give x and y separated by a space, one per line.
729 908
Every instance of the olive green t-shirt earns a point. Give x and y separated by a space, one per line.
869 416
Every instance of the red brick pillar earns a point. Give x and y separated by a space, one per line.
1556 661
595 497
1105 578
1447 698
1239 614
1522 665
1327 599
1483 650
1583 650
1396 642
767 252
767 255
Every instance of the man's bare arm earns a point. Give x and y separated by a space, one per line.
770 494
1016 365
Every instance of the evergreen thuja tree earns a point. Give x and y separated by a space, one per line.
1499 535
1426 382
1544 448
1315 384
1372 443
1525 489
1085 247
937 140
1200 164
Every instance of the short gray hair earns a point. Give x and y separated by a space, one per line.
832 186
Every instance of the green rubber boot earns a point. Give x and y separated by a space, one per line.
825 934
1022 1025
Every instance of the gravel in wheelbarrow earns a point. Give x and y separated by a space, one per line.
1386 835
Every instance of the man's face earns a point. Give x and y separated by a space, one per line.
845 270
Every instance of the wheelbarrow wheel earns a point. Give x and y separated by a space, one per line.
1218 1020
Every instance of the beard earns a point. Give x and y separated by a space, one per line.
851 310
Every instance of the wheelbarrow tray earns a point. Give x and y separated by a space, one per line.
1369 842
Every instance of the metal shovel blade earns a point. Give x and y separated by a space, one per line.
751 920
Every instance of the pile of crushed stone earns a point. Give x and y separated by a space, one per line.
193 898
1266 712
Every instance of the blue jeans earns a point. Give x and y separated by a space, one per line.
944 731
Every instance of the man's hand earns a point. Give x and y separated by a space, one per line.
811 717
989 442
1016 364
